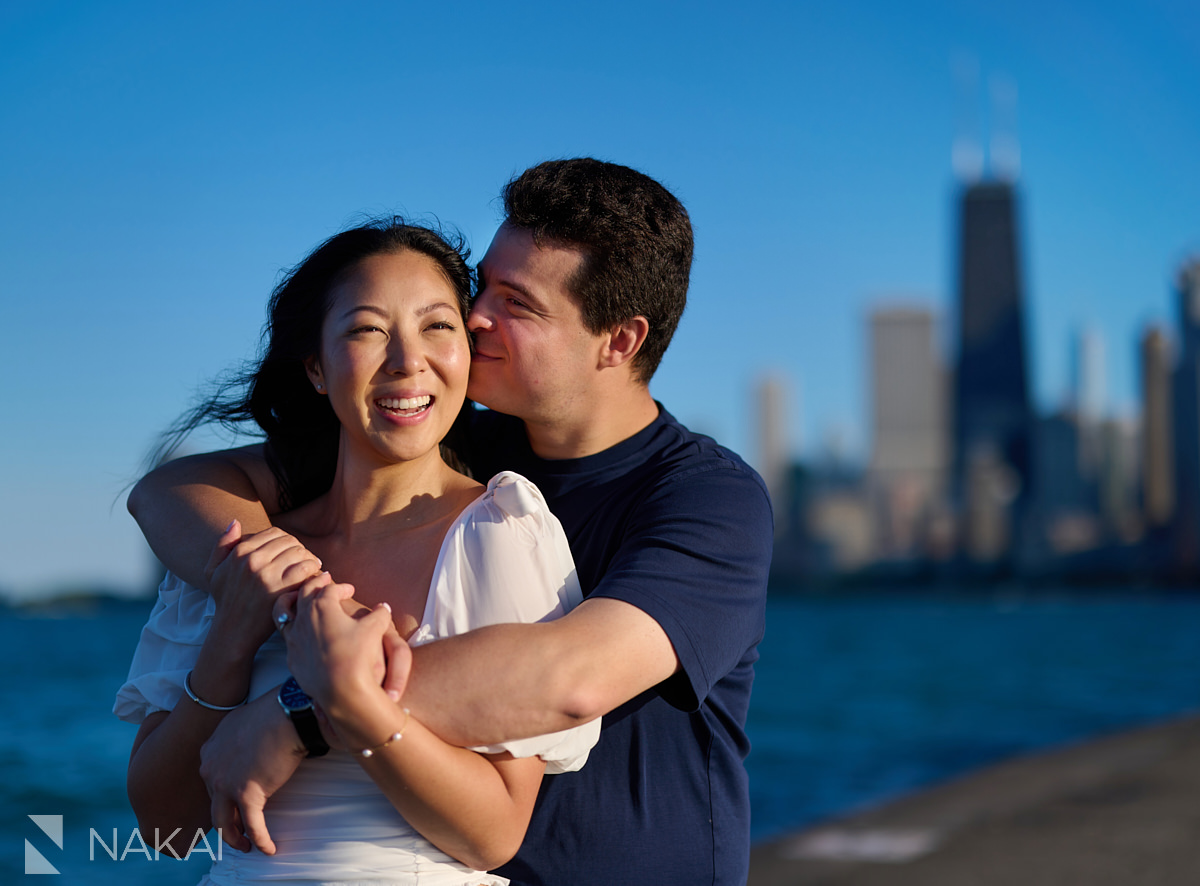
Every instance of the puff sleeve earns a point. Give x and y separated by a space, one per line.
506 560
167 649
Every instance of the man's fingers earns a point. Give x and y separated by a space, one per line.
256 826
228 822
399 664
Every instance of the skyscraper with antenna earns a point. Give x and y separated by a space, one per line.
993 418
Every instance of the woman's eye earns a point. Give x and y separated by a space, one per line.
362 329
443 324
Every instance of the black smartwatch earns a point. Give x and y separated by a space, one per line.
299 709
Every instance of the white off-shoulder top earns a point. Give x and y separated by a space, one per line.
504 560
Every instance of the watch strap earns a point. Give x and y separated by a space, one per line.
304 720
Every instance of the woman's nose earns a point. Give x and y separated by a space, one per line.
405 358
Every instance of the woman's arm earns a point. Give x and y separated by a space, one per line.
163 780
184 505
475 808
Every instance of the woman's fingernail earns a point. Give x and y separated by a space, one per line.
393 695
230 526
386 606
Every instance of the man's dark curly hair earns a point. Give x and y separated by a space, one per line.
635 237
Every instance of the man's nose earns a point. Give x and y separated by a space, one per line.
479 319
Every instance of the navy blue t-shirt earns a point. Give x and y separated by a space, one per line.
681 528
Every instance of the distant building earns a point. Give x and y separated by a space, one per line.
827 522
1088 398
991 487
1119 479
841 527
1187 421
1066 500
908 418
837 521
1087 375
1157 461
993 418
774 443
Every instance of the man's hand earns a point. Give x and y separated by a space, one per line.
399 657
249 757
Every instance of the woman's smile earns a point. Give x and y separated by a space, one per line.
413 408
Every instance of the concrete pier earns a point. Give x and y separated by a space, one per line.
1119 811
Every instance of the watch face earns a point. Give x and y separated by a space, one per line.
292 697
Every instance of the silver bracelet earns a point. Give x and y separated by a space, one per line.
187 687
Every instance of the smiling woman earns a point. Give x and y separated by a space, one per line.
276 394
363 376
393 355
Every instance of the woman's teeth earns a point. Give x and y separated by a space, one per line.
405 404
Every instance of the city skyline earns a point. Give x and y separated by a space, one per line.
968 482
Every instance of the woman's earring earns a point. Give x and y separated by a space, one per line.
320 388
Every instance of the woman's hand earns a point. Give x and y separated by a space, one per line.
397 653
336 647
246 575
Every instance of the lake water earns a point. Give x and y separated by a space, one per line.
858 698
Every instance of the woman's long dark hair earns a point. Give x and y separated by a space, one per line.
275 392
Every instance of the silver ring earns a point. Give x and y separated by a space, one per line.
282 621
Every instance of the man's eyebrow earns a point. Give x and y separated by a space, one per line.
507 284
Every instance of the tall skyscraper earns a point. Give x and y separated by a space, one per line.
1158 463
1088 398
1118 478
1087 374
993 419
908 428
774 443
1187 421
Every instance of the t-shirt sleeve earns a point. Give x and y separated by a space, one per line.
168 648
508 562
695 557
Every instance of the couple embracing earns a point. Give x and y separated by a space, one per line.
546 677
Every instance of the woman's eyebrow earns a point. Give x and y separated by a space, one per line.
430 308
420 312
369 308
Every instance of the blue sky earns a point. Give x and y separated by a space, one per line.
162 163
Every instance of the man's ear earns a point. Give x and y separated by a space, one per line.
312 366
623 342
